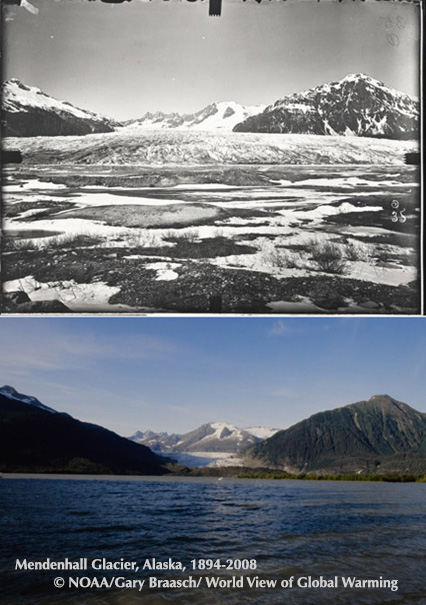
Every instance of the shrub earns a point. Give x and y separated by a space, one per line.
141 238
282 259
14 244
189 235
355 252
278 257
74 240
328 256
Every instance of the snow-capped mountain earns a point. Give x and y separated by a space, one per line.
357 105
261 432
29 112
216 116
12 393
210 437
159 442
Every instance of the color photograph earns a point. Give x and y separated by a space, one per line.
158 160
212 460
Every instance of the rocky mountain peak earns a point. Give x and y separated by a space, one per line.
12 393
357 105
360 77
8 389
376 398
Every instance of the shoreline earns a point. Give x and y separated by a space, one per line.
367 478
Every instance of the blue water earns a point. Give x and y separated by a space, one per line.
291 528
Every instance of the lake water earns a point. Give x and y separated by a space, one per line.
291 528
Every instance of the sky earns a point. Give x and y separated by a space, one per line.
124 60
174 374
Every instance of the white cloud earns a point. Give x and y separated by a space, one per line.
280 328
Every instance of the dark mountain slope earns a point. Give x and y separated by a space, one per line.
33 439
29 112
356 105
381 433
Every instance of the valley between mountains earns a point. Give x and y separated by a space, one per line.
306 205
377 437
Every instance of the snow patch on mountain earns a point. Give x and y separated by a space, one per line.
262 432
12 393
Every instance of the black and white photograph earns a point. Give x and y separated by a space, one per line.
148 461
161 160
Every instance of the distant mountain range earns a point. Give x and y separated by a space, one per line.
216 116
381 434
36 438
210 437
29 112
357 105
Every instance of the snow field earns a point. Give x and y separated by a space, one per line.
285 237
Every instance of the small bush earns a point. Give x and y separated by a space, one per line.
283 260
142 238
66 240
73 240
328 257
189 235
278 257
14 244
354 252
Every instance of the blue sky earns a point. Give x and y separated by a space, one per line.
124 60
174 374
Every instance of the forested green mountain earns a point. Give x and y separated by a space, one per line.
381 435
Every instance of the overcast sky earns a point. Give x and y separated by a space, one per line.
124 60
172 374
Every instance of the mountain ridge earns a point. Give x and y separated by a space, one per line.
209 437
27 111
381 433
220 115
12 393
35 438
